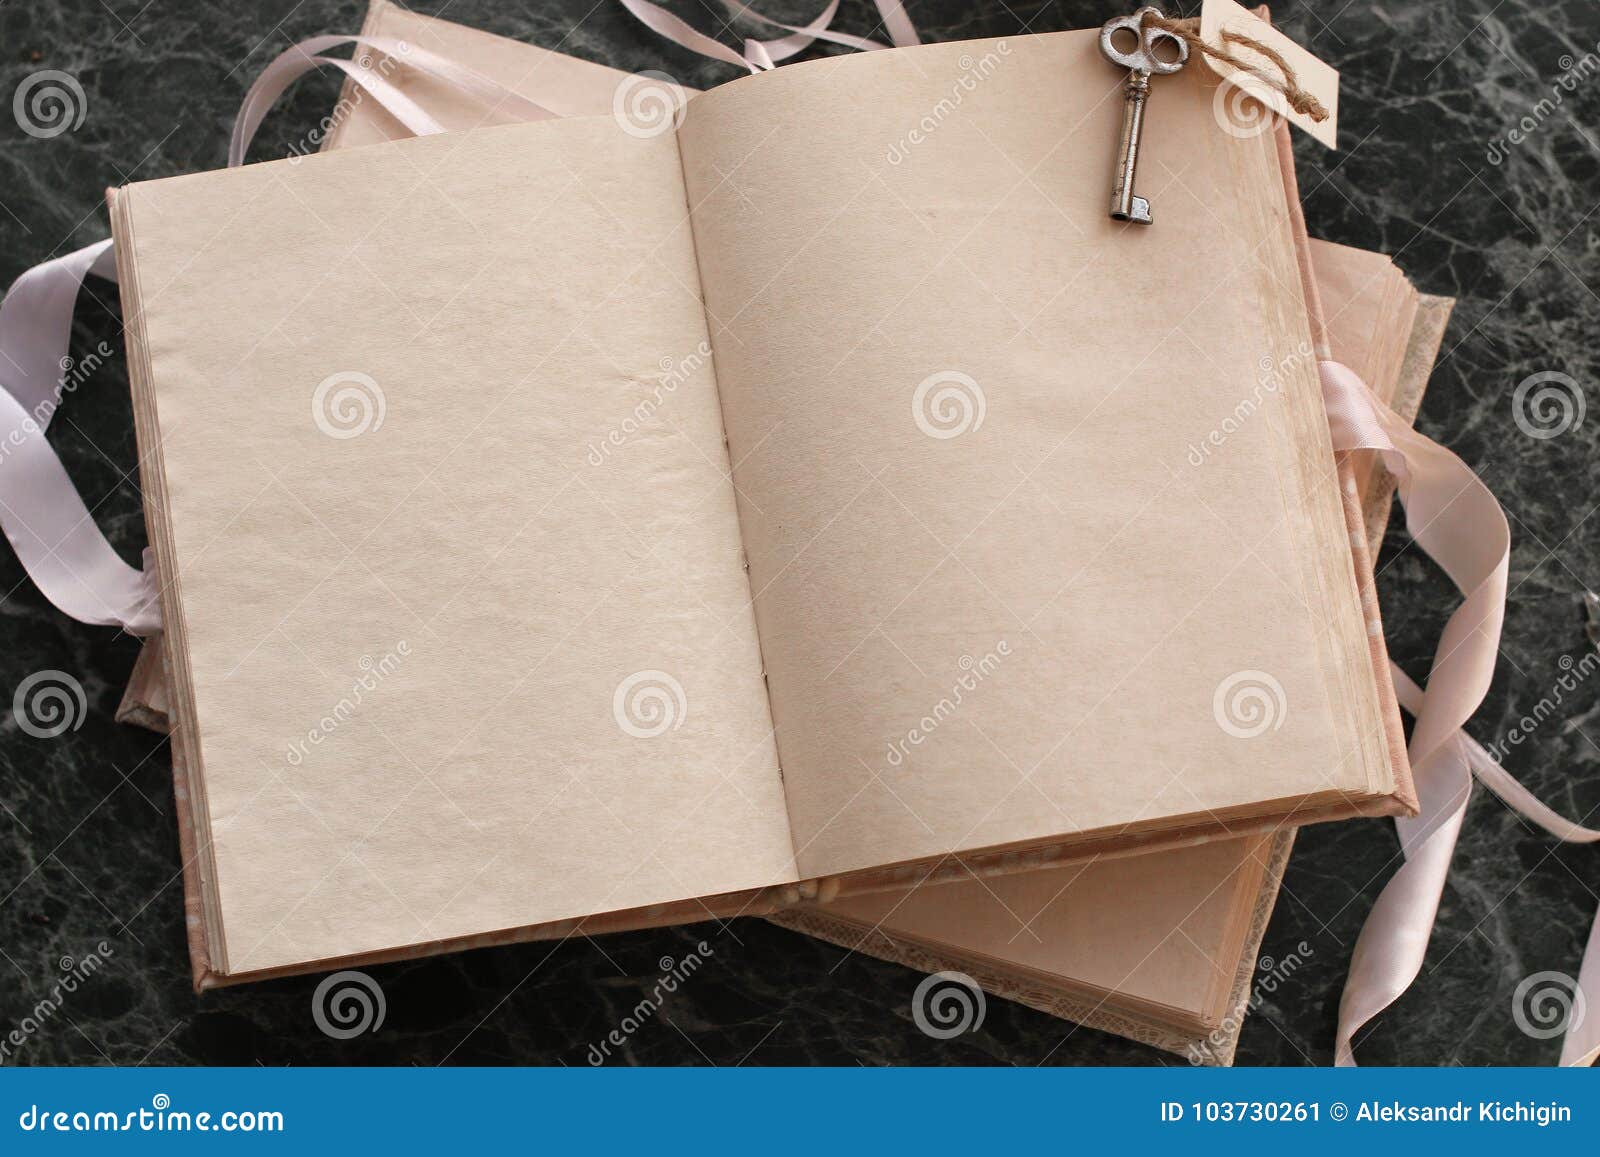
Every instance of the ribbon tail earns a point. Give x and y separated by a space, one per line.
56 538
902 33
1394 940
1582 1044
42 515
1457 521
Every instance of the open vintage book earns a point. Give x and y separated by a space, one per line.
599 743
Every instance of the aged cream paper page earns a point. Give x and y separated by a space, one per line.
462 607
1039 508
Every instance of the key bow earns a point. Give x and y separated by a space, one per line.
1143 57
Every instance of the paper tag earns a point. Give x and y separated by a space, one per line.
1312 75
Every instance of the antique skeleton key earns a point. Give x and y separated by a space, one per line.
1141 62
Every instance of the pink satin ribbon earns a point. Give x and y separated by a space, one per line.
370 76
41 511
1581 1045
760 55
1457 521
1449 511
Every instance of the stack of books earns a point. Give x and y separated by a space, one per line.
586 526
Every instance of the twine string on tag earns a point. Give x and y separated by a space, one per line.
1287 85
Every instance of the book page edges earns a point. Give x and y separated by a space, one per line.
1363 692
759 902
1392 735
1431 316
203 920
1203 1042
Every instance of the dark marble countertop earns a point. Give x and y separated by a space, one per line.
1428 171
